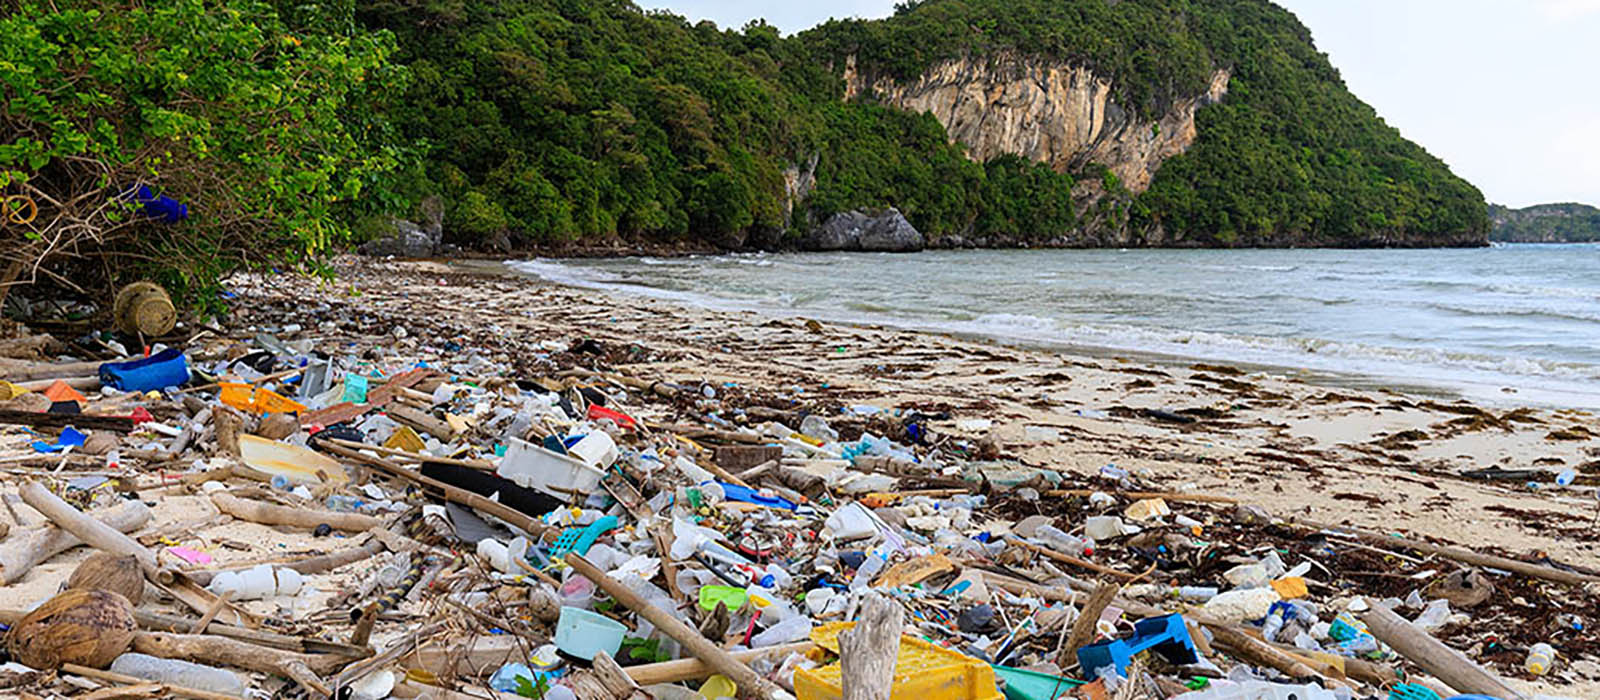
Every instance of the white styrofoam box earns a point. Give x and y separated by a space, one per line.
534 467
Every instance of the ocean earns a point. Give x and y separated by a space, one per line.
1505 325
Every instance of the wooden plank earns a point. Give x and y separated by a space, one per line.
81 421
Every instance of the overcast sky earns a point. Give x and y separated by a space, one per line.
1505 91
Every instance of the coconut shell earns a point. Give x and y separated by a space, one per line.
118 573
78 626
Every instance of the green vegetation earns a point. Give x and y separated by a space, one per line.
1545 223
288 125
271 136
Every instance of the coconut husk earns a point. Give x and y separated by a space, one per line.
118 573
78 626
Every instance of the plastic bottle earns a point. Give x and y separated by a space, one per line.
341 503
1540 658
1054 538
868 571
114 460
1273 624
1196 594
180 673
262 581
791 629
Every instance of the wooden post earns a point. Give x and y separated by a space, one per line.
750 683
27 548
869 651
271 514
1431 655
1083 629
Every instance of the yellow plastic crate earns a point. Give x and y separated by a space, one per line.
922 672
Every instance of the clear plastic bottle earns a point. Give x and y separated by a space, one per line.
1540 658
1060 541
868 571
344 504
180 673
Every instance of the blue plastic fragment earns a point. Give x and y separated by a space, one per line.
164 369
743 494
1167 635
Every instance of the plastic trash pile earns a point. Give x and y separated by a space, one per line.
421 504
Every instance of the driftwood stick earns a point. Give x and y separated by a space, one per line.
211 649
453 494
201 624
81 421
1137 495
869 652
692 669
1431 655
24 549
1068 559
271 514
749 682
314 565
93 532
1466 556
1083 629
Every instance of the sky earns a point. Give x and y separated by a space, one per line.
1507 92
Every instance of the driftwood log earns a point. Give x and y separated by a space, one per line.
1431 655
869 651
693 669
1466 556
272 514
93 532
27 548
1083 629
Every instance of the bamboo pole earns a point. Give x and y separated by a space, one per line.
1431 655
693 669
750 683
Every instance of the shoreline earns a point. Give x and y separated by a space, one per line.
1352 365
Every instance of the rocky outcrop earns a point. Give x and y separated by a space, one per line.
1047 111
884 231
410 240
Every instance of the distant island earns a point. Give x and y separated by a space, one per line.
1545 223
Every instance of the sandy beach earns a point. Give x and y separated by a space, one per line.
1373 459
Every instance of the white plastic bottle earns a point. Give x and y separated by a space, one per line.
180 673
1540 658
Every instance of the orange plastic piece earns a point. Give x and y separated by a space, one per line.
923 671
59 391
269 401
240 396
1290 588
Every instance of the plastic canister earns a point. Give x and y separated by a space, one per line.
181 673
1540 658
584 634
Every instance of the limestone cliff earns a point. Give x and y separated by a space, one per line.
1051 112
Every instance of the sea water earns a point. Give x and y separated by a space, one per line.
1509 324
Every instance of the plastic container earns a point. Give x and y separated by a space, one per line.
167 368
922 671
258 582
533 467
792 629
1259 690
577 592
181 673
584 634
1540 658
596 449
719 686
